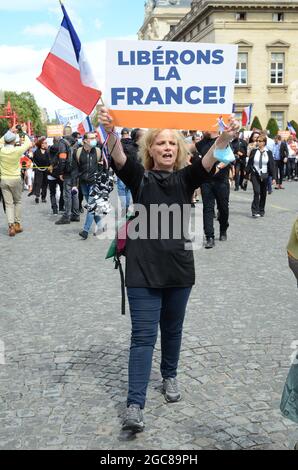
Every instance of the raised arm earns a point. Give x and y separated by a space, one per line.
114 144
221 143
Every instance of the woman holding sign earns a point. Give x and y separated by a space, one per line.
159 266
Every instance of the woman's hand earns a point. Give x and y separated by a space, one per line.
229 133
105 119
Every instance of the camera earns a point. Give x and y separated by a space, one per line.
20 130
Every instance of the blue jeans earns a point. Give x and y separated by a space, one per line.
89 217
148 309
124 195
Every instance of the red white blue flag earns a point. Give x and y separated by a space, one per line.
85 126
246 115
66 72
291 128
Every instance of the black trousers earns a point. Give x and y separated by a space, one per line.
81 196
40 183
291 168
260 194
279 171
239 172
2 199
218 191
53 190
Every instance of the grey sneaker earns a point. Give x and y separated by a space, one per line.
134 419
170 390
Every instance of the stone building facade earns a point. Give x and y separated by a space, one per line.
161 16
266 33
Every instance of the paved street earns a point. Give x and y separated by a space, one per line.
63 384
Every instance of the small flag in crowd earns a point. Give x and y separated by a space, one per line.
221 124
101 133
85 126
103 139
246 115
291 128
66 72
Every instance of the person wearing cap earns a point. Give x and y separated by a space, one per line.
10 174
125 133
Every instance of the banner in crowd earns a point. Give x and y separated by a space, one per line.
169 84
70 116
55 131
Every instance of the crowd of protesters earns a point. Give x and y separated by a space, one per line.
68 166
160 166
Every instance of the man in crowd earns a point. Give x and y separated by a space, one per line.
280 155
216 189
10 171
65 171
86 161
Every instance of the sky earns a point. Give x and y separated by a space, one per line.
29 27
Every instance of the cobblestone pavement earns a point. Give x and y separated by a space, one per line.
63 384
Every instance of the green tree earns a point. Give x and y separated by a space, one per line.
295 125
272 127
26 108
3 124
256 124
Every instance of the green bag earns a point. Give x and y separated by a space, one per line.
289 401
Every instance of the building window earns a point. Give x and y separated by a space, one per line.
241 69
279 116
277 70
278 17
172 27
241 16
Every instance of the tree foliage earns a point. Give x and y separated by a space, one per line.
256 124
26 108
272 127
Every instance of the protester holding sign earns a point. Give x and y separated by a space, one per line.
159 267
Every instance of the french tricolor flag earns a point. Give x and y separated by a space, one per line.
85 126
246 115
66 72
101 134
291 128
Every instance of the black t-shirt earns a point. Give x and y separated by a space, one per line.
158 262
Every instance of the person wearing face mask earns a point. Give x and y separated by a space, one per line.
65 172
86 161
260 166
10 173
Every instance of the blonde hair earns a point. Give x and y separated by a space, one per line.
146 143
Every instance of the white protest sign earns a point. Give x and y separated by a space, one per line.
169 84
70 116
